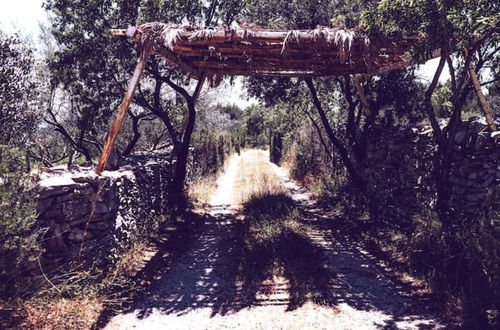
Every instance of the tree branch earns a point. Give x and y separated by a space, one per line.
318 130
342 150
428 98
158 111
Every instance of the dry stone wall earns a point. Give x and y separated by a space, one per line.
400 168
91 218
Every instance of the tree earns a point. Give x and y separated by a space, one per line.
19 92
93 67
297 15
346 121
19 108
255 125
467 34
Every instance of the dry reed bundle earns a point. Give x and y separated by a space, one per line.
219 51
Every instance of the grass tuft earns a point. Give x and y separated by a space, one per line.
256 177
79 312
201 189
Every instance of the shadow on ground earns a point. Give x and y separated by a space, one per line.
214 267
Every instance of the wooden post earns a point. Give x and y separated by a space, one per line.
485 107
122 110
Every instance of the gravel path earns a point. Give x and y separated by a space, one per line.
203 289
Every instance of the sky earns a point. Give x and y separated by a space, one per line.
25 16
22 16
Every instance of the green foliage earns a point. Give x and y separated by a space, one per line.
234 112
272 91
19 91
462 265
210 150
91 68
399 95
219 133
296 14
19 107
305 161
493 96
461 21
256 133
441 100
19 239
347 12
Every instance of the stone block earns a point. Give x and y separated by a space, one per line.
79 235
76 209
44 204
58 190
54 241
101 208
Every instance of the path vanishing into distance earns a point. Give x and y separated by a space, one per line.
203 288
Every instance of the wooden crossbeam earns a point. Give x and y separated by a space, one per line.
218 52
122 111
299 53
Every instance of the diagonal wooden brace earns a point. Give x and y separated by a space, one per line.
122 110
483 104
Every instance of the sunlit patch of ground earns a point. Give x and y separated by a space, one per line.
255 177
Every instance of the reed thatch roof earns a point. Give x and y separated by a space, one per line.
224 51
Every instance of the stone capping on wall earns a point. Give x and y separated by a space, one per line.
91 218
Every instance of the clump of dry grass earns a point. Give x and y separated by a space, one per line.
275 241
78 297
79 312
256 177
130 263
201 189
270 226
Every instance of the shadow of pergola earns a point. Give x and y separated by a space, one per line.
207 269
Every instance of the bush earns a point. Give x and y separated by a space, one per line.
19 237
210 151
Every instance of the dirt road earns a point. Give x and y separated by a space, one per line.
204 290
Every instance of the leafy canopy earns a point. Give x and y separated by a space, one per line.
444 21
19 91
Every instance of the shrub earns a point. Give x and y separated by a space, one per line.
19 237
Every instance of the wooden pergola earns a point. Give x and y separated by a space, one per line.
212 53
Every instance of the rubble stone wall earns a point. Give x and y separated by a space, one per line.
90 218
400 166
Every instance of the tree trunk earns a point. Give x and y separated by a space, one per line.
71 156
358 181
86 153
176 192
135 138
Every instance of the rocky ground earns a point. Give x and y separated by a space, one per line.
204 290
